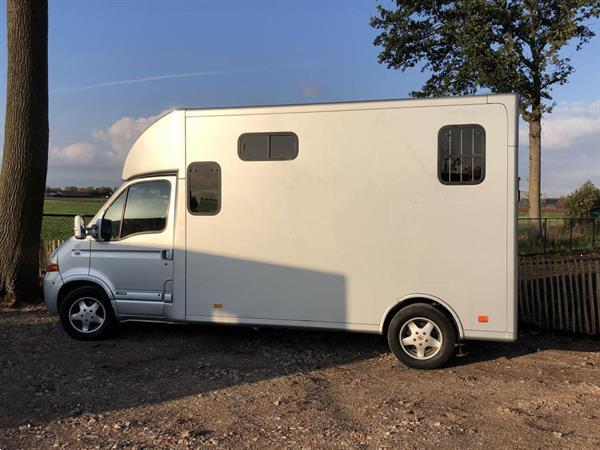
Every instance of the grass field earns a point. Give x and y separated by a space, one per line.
62 227
561 234
73 206
549 215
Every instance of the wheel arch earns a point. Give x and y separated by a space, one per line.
73 283
427 299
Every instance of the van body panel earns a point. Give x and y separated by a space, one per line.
355 221
175 309
74 257
318 325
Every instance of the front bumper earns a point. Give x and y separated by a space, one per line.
52 283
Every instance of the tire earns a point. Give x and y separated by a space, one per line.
421 336
86 314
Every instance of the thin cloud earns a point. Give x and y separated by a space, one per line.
172 76
135 81
310 90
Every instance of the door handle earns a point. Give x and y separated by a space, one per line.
166 254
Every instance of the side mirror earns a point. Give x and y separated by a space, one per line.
79 227
103 229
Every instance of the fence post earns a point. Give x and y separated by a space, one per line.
593 233
545 233
570 234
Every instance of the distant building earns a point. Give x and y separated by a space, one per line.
524 195
70 194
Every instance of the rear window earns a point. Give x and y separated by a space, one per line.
461 154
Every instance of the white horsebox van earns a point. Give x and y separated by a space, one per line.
393 217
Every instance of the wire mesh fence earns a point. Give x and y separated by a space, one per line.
559 234
58 227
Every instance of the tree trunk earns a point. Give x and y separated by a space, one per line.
535 159
25 157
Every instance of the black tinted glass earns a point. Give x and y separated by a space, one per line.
204 188
268 146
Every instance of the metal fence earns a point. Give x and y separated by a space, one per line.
561 292
559 234
58 227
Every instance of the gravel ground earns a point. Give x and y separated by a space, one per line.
167 386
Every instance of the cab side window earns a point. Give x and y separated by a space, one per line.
146 208
142 208
113 216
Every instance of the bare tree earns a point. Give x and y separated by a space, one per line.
25 157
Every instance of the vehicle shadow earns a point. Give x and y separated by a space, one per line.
530 341
46 375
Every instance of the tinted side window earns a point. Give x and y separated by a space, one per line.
268 146
204 188
114 214
254 147
147 208
461 154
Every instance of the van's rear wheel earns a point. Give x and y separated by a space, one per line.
421 336
86 314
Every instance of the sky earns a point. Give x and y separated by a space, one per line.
115 65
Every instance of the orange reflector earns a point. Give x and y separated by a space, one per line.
482 319
218 305
52 268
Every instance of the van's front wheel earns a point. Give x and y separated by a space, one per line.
86 314
421 337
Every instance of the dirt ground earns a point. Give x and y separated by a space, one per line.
167 386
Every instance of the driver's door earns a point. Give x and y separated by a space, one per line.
135 253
